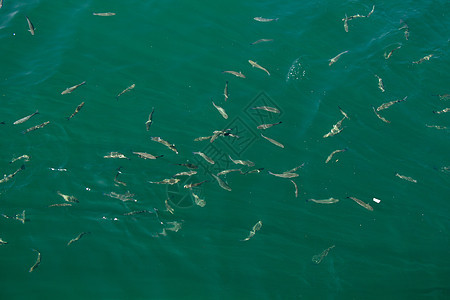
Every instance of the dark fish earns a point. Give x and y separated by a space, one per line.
36 127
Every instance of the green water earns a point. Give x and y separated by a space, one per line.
174 52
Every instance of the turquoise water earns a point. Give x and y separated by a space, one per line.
174 52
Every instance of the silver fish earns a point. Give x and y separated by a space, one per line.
191 185
406 27
345 23
147 155
423 59
296 188
221 110
165 143
363 204
256 65
115 155
197 200
343 113
238 74
6 178
224 172
441 111
24 119
107 14
76 111
436 126
273 141
261 41
203 138
77 238
1 3
2 242
406 178
122 197
36 127
60 204
205 157
388 104
319 257
71 89
126 90
379 116
68 198
38 261
222 183
30 25
337 128
255 228
170 181
333 153
225 91
137 212
335 59
148 123
261 19
388 55
380 83
268 108
284 175
265 126
324 201
24 157
188 173
242 162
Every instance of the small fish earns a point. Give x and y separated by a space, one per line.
205 157
106 14
218 133
203 138
333 153
30 25
238 74
319 257
36 127
406 178
116 178
441 111
345 20
122 197
59 169
335 59
406 27
165 143
60 204
189 173
255 228
126 90
388 55
380 83
222 183
295 169
24 157
265 126
268 108
273 141
1 3
363 204
337 128
242 162
197 200
261 41
18 217
225 91
443 96
379 116
2 242
147 155
343 113
324 201
150 119
38 261
115 155
68 198
423 59
189 186
436 126
137 212
371 12
76 111
388 104
296 188
77 238
24 119
261 19
71 89
284 175
188 165
221 110
255 65
224 172
170 181
258 170
6 178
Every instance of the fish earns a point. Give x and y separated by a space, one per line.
165 143
197 200
71 89
176 226
115 155
388 55
273 141
406 27
1 3
423 59
255 228
24 119
333 153
380 83
441 111
77 238
6 178
258 170
265 126
371 12
256 65
137 212
126 90
379 116
205 157
284 175
268 108
343 113
148 123
116 180
224 172
76 111
203 138
18 217
170 181
324 201
191 185
30 25
225 91
436 126
363 204
221 110
335 59
443 96
2 242
60 204
122 197
189 173
188 165
222 183
218 133
345 20
406 178
388 104
147 155
106 14
296 188
319 257
238 74
295 169
335 129
261 41
68 198
36 127
37 263
24 157
242 162
261 19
